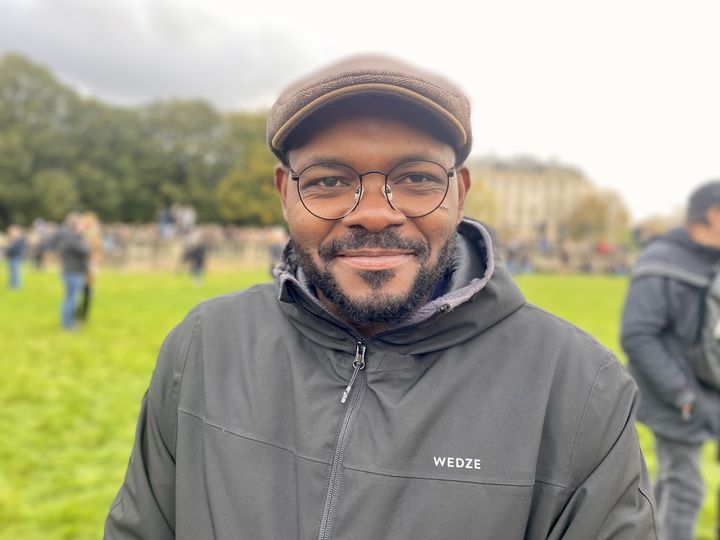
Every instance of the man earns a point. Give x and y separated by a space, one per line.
660 329
74 254
14 251
393 383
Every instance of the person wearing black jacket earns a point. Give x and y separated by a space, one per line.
393 383
661 325
74 254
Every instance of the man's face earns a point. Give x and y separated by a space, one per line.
713 227
374 265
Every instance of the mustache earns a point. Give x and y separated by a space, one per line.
360 238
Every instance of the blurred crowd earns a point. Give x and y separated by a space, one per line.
80 245
143 246
587 257
175 242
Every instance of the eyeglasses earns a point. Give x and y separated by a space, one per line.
333 190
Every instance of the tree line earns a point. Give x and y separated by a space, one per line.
60 151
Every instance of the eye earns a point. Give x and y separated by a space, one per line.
328 181
325 182
417 178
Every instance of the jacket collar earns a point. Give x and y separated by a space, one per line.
479 294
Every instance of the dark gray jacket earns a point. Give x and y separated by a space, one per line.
73 250
482 417
660 325
16 248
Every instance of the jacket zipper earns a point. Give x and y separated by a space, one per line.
327 523
358 364
351 411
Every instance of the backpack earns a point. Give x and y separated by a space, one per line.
705 356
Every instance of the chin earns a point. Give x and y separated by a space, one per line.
371 284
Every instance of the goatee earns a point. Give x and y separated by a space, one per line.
378 307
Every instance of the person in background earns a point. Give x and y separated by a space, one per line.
165 221
89 227
14 252
40 240
74 253
393 383
195 256
661 326
277 239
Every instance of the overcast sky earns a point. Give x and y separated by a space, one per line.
626 90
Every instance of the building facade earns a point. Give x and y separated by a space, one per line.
532 199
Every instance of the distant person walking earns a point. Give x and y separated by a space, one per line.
14 252
195 255
74 253
89 226
663 320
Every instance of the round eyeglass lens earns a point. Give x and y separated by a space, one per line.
329 190
417 188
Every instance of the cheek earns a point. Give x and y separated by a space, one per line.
437 231
306 229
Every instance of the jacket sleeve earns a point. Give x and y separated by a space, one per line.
610 494
646 316
144 508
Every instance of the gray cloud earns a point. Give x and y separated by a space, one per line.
131 52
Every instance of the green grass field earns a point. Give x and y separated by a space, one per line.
69 400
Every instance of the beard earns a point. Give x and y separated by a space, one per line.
377 307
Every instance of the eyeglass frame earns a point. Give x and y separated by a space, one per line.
296 178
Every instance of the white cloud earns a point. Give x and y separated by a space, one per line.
627 91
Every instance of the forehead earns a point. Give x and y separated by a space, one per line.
381 132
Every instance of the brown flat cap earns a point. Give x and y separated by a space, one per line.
370 75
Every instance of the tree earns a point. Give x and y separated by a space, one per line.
601 215
247 193
35 113
190 140
124 162
98 191
15 170
55 192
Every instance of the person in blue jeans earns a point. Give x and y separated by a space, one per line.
14 253
74 254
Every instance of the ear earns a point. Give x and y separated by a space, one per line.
282 176
463 185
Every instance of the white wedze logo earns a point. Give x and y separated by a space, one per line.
457 462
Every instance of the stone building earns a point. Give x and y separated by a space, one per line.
531 199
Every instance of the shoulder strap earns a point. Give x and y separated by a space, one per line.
674 272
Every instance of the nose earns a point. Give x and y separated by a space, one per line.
374 212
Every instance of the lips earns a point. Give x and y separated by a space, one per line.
374 259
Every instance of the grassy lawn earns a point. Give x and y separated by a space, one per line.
69 401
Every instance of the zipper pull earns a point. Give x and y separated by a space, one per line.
358 364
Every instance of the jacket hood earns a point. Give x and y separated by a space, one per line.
677 249
479 294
